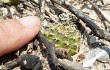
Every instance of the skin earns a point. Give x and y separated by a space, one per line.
14 33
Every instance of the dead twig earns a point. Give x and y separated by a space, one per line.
54 18
52 59
102 16
9 15
42 9
68 65
25 62
96 29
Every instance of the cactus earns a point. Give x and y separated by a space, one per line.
64 36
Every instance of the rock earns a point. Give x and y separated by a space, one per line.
99 53
28 62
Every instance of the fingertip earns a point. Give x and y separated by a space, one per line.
30 21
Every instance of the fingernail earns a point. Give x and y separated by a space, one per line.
30 21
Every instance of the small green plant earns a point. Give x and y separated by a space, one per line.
5 1
11 2
64 36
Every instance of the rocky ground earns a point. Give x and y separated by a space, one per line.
91 52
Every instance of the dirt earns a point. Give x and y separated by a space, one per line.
52 16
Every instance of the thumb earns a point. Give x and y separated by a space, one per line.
16 33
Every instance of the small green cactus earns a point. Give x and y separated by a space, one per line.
64 36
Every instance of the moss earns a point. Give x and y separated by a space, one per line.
64 36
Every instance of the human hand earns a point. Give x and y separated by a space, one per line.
14 33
